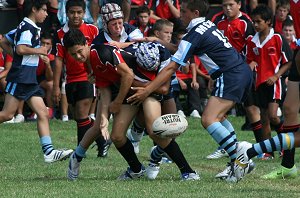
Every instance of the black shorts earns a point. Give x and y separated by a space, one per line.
265 95
24 91
77 91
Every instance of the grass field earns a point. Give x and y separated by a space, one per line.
23 172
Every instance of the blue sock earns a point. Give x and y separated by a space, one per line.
156 155
282 141
46 144
80 152
224 138
230 128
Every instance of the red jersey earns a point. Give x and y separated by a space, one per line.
144 29
237 30
295 12
161 8
269 55
75 70
4 58
41 69
104 65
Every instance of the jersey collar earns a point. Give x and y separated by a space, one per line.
28 20
255 39
194 22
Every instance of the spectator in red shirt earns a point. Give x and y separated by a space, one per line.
166 9
143 20
281 15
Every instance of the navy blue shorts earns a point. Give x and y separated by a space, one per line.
234 85
24 91
77 91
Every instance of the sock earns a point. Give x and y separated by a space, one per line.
257 130
80 153
82 126
156 155
128 154
46 144
136 127
282 141
224 138
230 128
177 156
288 158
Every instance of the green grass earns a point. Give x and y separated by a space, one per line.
23 172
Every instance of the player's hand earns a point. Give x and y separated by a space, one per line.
183 85
45 59
116 43
195 85
56 95
271 81
91 78
104 127
43 51
114 106
140 95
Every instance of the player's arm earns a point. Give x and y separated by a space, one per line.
49 71
142 93
175 12
104 100
126 80
26 50
57 69
164 89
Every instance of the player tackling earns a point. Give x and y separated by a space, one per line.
225 65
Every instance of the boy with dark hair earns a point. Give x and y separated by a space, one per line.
79 90
21 79
207 42
143 20
271 55
112 74
281 15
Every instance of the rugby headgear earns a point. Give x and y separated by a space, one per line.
109 12
147 56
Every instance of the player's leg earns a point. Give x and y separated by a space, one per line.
121 122
9 108
38 106
100 128
290 124
151 106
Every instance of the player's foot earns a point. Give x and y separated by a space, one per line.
180 112
58 155
189 176
73 169
282 173
217 154
152 170
19 118
226 172
241 164
195 114
129 174
103 149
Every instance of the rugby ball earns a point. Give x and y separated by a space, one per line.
169 125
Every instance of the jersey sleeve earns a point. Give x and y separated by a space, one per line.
25 37
185 49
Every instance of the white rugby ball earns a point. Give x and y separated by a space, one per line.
169 125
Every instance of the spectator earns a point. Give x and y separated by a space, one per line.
143 20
